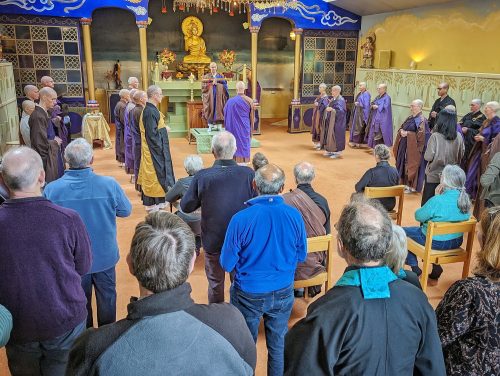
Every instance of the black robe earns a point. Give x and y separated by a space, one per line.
439 105
344 334
472 121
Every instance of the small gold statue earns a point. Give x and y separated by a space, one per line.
368 51
193 42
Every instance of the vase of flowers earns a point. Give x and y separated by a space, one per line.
167 57
227 58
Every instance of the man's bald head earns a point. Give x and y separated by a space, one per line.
47 81
140 97
48 98
269 180
133 83
28 106
31 92
240 87
223 145
22 170
304 173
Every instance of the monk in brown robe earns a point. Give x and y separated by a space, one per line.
42 135
214 94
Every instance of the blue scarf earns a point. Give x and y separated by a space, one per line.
374 282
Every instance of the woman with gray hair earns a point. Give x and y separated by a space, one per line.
192 164
450 204
382 175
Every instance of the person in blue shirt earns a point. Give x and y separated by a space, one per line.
98 200
262 247
451 204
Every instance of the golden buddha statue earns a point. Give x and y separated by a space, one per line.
193 42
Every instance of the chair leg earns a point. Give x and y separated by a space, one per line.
425 274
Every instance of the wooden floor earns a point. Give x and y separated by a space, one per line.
335 179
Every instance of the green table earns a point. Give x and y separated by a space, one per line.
204 140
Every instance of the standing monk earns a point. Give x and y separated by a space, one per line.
409 148
237 115
379 129
470 125
42 141
320 105
359 116
248 90
140 98
333 132
120 126
214 94
156 174
127 135
440 103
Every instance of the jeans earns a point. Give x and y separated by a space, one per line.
216 276
47 358
276 307
105 293
415 233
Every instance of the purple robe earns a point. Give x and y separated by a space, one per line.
359 117
248 90
237 121
380 122
317 117
334 139
135 116
474 167
128 140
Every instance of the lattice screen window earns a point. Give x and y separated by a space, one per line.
49 49
329 57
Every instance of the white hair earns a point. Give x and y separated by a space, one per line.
21 168
397 253
337 87
304 173
192 164
124 92
322 85
223 145
152 90
419 102
362 84
494 106
132 79
240 85
382 85
477 101
78 153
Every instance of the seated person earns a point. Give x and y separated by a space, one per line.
382 175
192 164
165 332
451 204
5 325
259 160
395 257
468 315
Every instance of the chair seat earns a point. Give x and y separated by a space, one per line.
437 256
314 281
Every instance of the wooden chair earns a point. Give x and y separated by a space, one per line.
319 244
385 192
431 256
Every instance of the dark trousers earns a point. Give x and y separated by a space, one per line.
275 307
47 358
216 276
105 293
429 191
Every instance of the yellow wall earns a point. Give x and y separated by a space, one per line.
458 36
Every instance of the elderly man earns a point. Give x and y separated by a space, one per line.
165 332
127 135
98 200
409 148
47 81
316 215
359 117
42 135
320 105
263 244
371 322
133 83
156 173
214 94
237 115
31 92
379 125
45 249
221 191
440 103
334 124
28 108
470 125
140 99
119 112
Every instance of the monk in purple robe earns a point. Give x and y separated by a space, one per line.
477 162
409 148
127 135
334 125
237 115
379 130
320 105
214 95
359 116
140 99
120 126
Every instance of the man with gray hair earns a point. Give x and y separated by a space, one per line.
379 126
32 93
44 251
98 200
470 124
133 83
263 245
238 115
360 326
140 99
165 332
220 191
440 103
333 132
28 108
119 113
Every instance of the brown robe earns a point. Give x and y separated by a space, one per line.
207 96
314 220
48 149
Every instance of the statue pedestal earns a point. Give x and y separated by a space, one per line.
179 93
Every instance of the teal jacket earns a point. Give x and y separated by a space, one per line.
442 208
5 325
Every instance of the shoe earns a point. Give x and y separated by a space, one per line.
327 154
334 156
407 190
416 270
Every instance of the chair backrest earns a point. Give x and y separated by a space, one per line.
392 191
319 243
443 228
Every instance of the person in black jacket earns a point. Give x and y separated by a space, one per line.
440 103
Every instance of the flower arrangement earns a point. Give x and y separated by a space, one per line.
109 76
179 75
167 56
227 58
